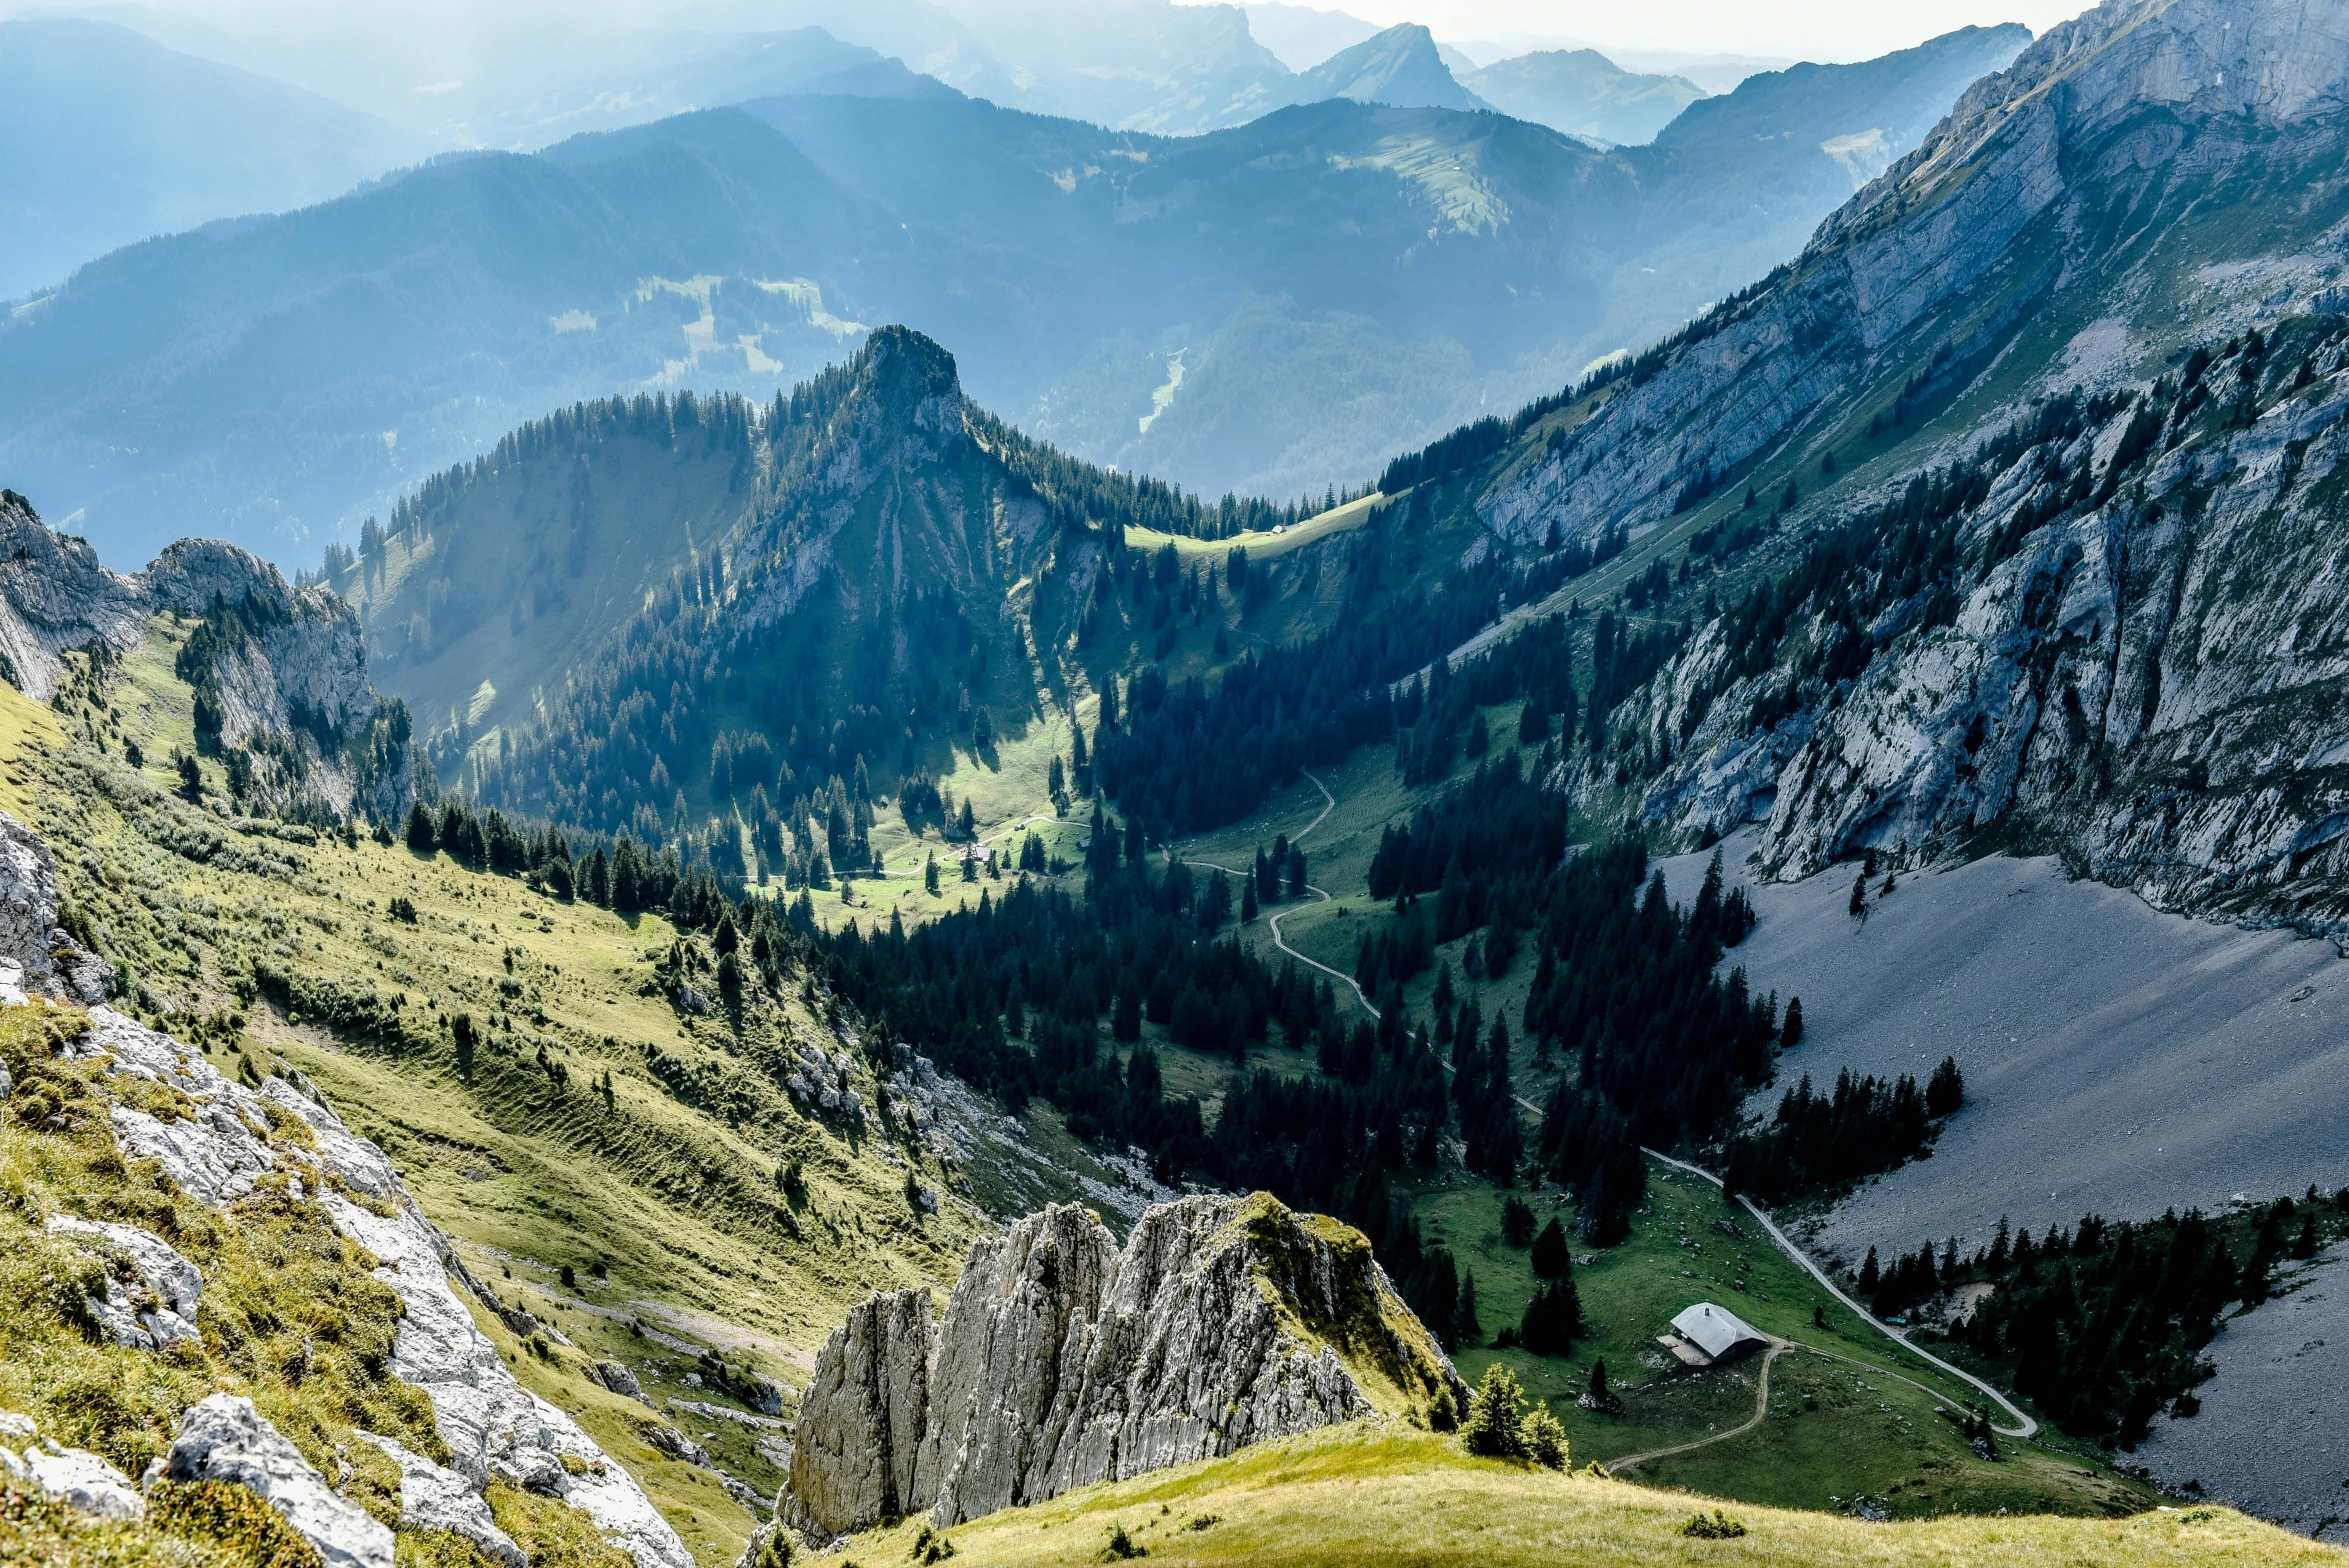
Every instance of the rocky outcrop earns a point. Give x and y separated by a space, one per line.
74 1476
863 1417
1958 242
1063 1359
37 957
2148 684
223 1438
152 1293
284 675
492 1425
435 1498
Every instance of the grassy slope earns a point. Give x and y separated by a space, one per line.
1365 1497
527 1179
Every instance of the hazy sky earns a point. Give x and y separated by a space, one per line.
1826 30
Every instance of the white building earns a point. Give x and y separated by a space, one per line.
1713 1334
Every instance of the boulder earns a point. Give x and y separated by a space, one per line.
79 1479
615 1376
1063 1360
225 1439
435 1498
151 1291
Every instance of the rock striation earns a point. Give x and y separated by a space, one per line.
1063 1359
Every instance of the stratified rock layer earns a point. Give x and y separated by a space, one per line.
1063 1360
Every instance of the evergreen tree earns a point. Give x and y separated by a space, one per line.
1494 1428
1551 1257
423 835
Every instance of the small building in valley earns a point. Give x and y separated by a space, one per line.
1705 1334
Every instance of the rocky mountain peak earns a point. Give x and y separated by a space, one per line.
1063 1359
909 382
2266 62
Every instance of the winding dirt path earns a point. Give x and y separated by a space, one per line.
2024 1426
1778 1347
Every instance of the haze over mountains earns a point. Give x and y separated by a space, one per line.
1175 305
785 787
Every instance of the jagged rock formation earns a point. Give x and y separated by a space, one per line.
1063 1359
2130 653
284 675
491 1424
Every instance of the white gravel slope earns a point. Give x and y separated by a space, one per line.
2118 1061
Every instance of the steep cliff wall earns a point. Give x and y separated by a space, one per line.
1063 1360
2134 110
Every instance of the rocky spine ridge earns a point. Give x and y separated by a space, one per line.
1063 1359
289 675
491 1424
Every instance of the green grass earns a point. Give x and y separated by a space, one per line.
676 1199
1365 1496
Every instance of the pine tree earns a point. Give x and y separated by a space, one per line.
1859 896
1248 905
1551 1258
1465 1329
1494 1428
1870 1275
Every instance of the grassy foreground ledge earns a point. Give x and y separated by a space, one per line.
1365 1496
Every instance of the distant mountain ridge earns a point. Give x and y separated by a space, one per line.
1583 93
289 375
107 138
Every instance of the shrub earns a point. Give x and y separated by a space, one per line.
1720 1527
1544 1438
1495 1425
1122 1546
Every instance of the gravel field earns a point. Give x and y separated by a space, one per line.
2118 1061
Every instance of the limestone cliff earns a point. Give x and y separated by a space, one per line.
2099 312
2019 195
280 672
1063 1359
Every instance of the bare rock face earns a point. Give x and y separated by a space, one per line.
1063 1359
223 1438
36 957
863 1417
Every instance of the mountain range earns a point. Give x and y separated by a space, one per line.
1155 303
111 138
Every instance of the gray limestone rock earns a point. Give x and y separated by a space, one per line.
861 1419
434 1498
79 1479
151 1291
1063 1360
615 1376
35 957
223 1438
